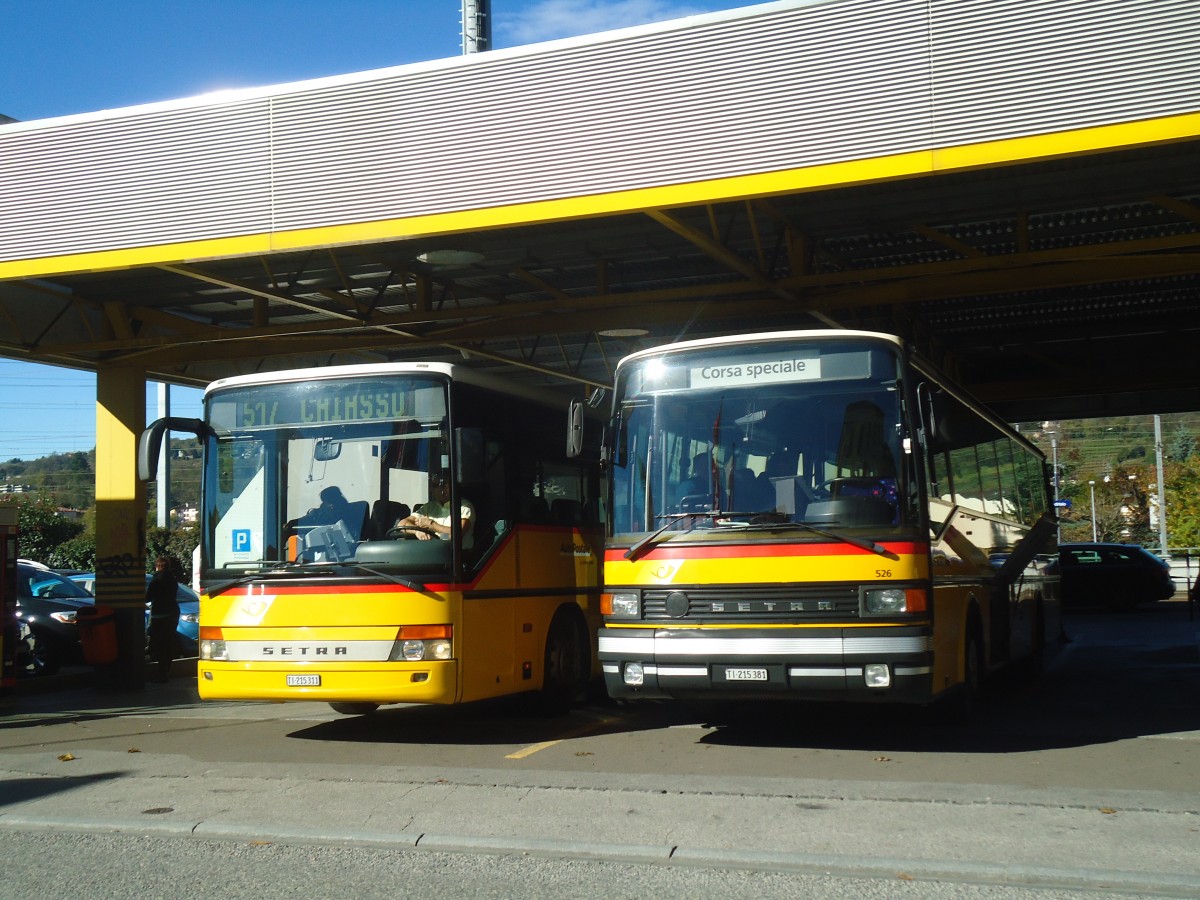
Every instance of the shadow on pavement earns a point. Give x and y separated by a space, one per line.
20 790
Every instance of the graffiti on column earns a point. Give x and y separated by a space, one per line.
125 564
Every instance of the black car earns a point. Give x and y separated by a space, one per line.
1116 576
47 603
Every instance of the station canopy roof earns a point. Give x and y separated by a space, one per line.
972 180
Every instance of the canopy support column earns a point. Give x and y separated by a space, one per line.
121 518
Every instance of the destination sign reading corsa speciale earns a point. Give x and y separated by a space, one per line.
316 403
757 370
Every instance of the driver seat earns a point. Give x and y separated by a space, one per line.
385 514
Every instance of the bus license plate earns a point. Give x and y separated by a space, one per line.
745 674
304 681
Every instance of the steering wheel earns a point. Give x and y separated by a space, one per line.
407 532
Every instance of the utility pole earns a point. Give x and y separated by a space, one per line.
1162 496
1054 475
164 460
1092 488
476 26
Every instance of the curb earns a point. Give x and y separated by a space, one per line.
635 854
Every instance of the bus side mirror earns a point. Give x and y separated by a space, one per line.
150 443
574 429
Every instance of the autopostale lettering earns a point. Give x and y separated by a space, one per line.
305 651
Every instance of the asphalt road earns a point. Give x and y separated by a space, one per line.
1086 779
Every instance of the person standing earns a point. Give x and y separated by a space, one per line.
164 614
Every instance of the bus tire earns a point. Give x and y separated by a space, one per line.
565 669
1035 665
354 709
959 707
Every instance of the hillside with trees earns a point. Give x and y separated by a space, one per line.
68 480
56 498
1116 458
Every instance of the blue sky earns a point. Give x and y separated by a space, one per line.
71 56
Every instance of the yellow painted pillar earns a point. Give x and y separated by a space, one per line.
121 519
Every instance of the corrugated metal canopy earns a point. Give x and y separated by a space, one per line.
1058 283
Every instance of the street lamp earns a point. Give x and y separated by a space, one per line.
1092 489
1054 452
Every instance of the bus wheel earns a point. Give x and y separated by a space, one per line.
355 709
1035 665
958 708
565 667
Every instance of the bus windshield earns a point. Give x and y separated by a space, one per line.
723 438
302 473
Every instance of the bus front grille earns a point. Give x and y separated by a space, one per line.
807 602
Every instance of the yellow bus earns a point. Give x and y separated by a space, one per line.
817 515
391 533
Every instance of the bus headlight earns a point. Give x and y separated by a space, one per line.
213 649
885 601
416 650
621 603
634 675
877 675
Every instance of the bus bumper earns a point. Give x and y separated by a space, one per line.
425 682
890 665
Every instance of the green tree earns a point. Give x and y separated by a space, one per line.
1183 444
177 542
42 529
77 553
1182 496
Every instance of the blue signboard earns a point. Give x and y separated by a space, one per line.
1063 504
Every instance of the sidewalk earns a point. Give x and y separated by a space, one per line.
1140 842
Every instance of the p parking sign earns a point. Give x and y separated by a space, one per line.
241 540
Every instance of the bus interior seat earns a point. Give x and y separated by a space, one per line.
567 512
384 515
535 509
862 448
746 494
356 518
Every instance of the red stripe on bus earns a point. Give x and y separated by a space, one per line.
768 551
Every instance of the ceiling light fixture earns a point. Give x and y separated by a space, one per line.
450 257
623 332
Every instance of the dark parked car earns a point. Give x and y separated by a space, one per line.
47 604
187 634
1112 575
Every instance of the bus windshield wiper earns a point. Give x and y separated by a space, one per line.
395 579
646 543
282 568
862 543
